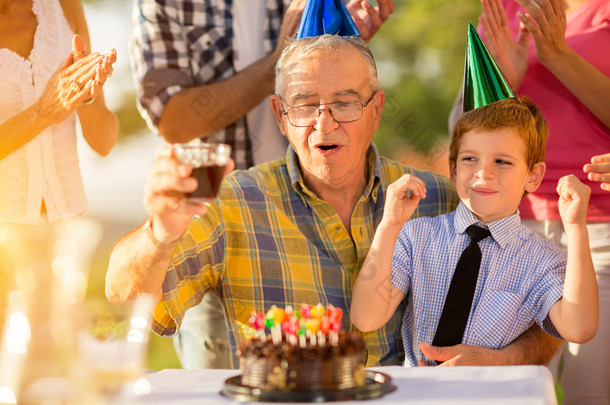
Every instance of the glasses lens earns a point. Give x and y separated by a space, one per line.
346 111
303 116
307 115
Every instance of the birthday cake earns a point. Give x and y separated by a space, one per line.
304 351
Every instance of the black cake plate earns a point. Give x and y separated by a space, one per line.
376 384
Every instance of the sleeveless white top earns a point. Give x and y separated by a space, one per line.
46 168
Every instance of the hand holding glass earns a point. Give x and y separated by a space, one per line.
208 161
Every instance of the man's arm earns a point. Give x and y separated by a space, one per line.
233 99
136 266
161 61
532 347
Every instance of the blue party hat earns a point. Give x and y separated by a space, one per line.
326 17
484 83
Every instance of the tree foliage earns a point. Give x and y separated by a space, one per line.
420 55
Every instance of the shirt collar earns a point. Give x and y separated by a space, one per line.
296 178
503 231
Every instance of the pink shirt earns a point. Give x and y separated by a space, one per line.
575 133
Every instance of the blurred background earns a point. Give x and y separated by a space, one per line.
420 57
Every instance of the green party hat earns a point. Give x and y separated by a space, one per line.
484 83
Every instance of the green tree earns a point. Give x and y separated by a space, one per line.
420 55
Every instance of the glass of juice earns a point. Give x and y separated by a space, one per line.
208 161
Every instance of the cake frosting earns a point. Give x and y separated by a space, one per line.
303 351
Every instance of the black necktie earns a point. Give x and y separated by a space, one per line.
452 324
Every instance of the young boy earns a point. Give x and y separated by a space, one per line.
496 156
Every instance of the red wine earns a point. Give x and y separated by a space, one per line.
208 181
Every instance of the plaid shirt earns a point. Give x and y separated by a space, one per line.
520 279
178 44
268 240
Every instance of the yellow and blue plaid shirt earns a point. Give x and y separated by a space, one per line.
269 240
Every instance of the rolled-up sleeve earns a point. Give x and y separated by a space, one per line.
159 56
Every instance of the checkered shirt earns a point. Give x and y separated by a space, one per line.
178 44
269 240
520 278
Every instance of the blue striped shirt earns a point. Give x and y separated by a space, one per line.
520 278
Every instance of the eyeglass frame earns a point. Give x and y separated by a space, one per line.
329 108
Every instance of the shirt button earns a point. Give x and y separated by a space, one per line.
338 229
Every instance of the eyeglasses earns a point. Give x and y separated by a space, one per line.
342 112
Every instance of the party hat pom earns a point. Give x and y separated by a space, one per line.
326 17
484 83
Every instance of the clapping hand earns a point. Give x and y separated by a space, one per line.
368 19
510 55
546 22
78 78
102 71
599 170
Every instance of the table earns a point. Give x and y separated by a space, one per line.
430 385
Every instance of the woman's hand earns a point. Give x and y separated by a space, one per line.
599 170
68 87
103 71
546 22
510 55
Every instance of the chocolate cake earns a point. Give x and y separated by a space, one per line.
285 366
305 351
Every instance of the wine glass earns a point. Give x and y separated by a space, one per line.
112 343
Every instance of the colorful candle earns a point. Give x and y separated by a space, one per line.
317 311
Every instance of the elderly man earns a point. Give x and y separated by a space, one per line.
293 230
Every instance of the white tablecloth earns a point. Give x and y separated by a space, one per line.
424 385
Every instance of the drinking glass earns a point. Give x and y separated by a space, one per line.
112 343
208 161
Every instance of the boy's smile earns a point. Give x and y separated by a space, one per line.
491 172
